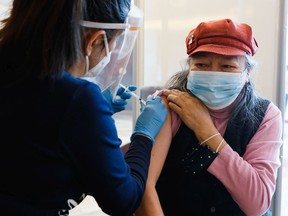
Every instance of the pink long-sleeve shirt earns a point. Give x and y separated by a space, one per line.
251 179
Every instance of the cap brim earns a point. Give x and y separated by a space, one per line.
218 49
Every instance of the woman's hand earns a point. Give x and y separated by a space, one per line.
192 112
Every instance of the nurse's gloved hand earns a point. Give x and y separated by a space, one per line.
120 102
151 118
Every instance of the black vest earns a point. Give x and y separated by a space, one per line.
185 187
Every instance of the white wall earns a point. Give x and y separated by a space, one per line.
4 6
167 22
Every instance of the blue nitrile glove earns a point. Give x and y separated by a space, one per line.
151 118
120 101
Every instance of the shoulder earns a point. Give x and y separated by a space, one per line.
272 120
74 85
266 108
175 119
273 110
273 113
81 93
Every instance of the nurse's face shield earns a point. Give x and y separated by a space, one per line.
120 47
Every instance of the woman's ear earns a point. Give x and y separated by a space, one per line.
93 38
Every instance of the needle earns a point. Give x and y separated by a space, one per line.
133 94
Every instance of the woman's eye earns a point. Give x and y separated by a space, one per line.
200 65
228 66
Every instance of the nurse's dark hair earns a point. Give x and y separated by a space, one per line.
107 11
39 39
248 98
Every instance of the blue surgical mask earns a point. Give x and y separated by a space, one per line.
216 89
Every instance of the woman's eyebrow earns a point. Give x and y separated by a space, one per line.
231 58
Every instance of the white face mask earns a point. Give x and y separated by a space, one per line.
216 89
98 67
93 72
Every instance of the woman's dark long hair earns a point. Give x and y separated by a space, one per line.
39 39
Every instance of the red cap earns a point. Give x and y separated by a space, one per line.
223 37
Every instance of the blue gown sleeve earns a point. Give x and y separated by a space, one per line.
89 137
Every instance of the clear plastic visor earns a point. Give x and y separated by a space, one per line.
121 48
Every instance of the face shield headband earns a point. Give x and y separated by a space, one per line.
122 46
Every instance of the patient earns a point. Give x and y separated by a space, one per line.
220 144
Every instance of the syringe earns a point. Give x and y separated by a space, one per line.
133 94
